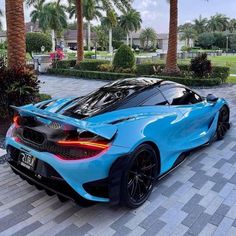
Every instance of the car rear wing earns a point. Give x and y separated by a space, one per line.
106 131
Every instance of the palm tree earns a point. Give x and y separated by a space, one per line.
108 6
91 11
130 21
187 33
218 22
50 16
148 37
171 66
200 24
1 14
232 25
109 22
16 49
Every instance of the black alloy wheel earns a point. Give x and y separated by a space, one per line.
223 123
140 176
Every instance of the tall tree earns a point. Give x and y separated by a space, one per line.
218 22
91 11
109 22
232 25
187 33
130 21
1 14
200 24
148 37
16 49
107 5
171 66
50 16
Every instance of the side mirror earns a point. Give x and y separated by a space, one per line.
211 98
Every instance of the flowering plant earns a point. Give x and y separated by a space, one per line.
57 55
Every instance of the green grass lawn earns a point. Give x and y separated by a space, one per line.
232 79
229 61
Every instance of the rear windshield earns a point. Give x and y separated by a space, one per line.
109 95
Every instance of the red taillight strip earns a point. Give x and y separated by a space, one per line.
16 121
85 144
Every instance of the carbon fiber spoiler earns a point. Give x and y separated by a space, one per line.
103 130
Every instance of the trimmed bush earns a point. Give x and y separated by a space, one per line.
34 42
222 72
147 68
64 64
190 81
124 58
201 66
90 74
91 65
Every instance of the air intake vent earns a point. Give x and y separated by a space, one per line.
33 136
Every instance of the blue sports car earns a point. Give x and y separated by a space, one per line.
113 144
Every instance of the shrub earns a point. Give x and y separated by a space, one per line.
206 40
91 65
221 72
188 81
89 54
124 58
200 66
65 64
42 97
34 42
19 86
105 67
90 74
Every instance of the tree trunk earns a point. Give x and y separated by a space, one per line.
80 37
89 35
171 67
131 40
16 50
110 41
127 39
53 40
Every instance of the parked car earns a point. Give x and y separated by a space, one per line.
115 143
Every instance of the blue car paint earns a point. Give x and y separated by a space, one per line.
173 129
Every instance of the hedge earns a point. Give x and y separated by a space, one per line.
190 81
221 72
90 74
64 64
147 68
90 64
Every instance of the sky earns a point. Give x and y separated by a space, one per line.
155 13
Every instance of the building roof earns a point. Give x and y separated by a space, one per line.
32 27
136 35
72 34
3 34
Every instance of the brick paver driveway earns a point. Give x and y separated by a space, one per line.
198 198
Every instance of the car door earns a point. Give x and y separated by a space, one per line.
195 127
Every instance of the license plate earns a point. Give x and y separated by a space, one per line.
27 160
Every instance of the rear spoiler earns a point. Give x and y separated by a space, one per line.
104 130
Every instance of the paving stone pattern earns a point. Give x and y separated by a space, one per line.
199 198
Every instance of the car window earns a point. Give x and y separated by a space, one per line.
155 100
181 96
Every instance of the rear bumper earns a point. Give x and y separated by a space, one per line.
88 179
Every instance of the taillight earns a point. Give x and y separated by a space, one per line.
81 149
16 121
95 145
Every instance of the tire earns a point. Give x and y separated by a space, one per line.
139 177
223 123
